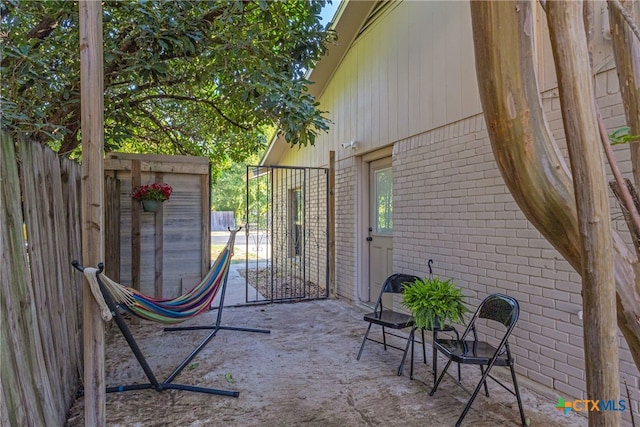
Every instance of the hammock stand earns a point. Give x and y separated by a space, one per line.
167 384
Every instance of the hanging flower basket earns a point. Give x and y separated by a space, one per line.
152 195
151 205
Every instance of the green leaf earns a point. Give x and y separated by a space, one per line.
160 67
228 377
432 298
622 136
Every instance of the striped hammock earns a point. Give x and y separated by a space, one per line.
165 310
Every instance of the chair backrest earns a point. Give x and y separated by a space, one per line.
499 308
394 284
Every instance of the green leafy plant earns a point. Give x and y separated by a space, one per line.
622 136
434 301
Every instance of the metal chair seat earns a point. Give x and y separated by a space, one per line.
391 319
471 352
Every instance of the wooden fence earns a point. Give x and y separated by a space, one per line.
222 220
40 295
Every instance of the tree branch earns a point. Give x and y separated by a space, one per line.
43 28
625 195
164 129
143 87
627 17
191 99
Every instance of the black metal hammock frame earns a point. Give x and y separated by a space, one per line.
168 384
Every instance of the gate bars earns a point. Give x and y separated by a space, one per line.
287 233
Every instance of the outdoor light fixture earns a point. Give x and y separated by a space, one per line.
351 144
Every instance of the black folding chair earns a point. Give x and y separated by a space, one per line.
395 320
499 308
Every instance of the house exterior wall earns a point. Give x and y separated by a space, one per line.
466 220
409 81
412 70
346 249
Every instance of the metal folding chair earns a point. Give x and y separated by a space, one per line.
394 320
498 308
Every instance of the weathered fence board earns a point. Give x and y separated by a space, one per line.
19 386
39 296
112 227
71 196
37 189
221 220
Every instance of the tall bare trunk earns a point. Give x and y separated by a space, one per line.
527 155
571 57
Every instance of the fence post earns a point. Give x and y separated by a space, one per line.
92 116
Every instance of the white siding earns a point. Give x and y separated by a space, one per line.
409 72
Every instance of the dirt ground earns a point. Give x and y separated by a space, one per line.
288 286
304 372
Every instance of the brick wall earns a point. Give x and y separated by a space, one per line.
451 205
345 247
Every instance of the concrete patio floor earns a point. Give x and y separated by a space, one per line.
304 372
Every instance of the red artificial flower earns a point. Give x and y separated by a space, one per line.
156 191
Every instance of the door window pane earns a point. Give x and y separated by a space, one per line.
384 200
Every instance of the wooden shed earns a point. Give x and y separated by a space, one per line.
160 253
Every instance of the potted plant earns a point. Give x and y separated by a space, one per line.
152 195
434 302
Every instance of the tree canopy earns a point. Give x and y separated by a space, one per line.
180 77
229 193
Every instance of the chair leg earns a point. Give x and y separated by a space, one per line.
455 331
384 338
434 356
411 370
366 336
424 352
406 350
486 389
439 380
517 393
482 382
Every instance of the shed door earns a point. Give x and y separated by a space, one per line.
380 236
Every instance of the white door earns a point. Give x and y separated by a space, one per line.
380 236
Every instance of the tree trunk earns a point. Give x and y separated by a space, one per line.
571 57
528 157
626 50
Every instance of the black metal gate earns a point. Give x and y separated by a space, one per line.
287 251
